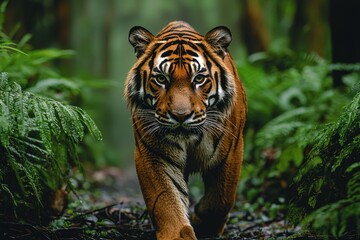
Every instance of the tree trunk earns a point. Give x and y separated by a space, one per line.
253 28
308 29
344 21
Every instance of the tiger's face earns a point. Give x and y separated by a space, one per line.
179 85
178 90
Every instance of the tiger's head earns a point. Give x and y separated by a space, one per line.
180 82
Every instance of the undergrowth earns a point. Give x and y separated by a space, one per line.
38 138
327 187
293 108
40 134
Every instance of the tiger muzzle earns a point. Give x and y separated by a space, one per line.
180 115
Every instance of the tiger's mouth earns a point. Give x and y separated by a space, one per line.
180 122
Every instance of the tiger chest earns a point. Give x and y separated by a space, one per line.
202 155
191 155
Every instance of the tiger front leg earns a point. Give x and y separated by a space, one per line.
211 213
165 194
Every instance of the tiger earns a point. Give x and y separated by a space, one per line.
188 109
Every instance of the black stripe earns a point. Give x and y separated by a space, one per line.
153 208
138 81
145 75
216 142
238 138
156 69
161 65
151 148
216 76
177 41
172 68
176 145
167 53
154 90
144 79
192 53
187 69
192 45
227 154
212 174
221 105
148 56
172 28
177 185
168 44
179 35
209 88
178 27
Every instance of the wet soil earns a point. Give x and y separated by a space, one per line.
113 208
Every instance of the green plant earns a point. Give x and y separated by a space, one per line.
38 141
327 186
39 133
288 96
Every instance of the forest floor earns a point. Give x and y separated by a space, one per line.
114 209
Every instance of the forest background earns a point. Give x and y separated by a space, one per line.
299 61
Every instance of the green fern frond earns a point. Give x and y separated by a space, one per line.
353 67
5 188
42 121
332 207
273 132
67 116
31 176
336 218
353 186
90 124
38 137
4 124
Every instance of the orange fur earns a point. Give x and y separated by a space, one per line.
188 108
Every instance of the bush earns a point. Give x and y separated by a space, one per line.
289 98
39 132
327 187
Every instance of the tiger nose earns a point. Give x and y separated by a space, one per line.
180 115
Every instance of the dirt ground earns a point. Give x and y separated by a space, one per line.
113 208
119 186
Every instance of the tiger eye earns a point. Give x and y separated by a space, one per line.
161 79
199 79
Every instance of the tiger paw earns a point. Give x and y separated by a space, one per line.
186 233
211 227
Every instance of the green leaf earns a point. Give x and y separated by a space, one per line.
8 48
42 123
45 55
312 201
39 136
4 125
90 124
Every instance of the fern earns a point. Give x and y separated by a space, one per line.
327 187
39 133
35 133
294 134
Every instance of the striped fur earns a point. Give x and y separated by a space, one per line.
188 109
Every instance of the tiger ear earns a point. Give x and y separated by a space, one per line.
219 38
140 38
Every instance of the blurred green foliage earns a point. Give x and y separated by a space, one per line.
39 132
290 99
326 189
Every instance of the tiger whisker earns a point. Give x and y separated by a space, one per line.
214 125
150 130
220 116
